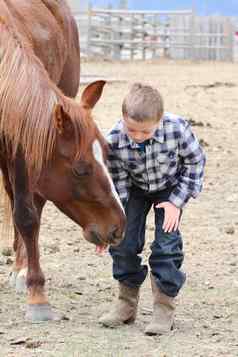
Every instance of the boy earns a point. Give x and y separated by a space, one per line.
155 160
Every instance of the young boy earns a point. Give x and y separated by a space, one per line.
155 160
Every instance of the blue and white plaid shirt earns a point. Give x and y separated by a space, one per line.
173 157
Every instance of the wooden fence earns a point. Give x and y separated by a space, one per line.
123 34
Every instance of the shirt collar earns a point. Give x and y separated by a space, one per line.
159 132
125 140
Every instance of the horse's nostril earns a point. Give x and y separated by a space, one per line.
95 238
115 236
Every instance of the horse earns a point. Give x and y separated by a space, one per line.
50 147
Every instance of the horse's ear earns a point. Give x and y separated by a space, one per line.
92 94
63 122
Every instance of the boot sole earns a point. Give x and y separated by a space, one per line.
118 324
150 333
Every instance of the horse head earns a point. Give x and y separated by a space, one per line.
77 180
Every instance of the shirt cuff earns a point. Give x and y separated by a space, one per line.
124 199
179 198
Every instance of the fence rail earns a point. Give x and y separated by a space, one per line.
123 34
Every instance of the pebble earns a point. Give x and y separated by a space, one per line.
230 230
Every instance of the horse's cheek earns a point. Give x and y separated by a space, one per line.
76 193
55 190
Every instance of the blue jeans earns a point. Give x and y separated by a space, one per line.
166 250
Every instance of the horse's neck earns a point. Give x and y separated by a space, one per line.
10 17
18 34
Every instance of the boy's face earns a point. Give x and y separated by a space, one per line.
139 131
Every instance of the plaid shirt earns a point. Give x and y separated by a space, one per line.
173 157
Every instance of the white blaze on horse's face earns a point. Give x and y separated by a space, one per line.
98 154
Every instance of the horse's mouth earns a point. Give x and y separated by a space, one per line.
100 249
101 244
95 238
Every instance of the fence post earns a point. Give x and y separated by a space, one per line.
131 37
108 35
219 29
89 31
155 36
232 40
143 37
118 37
230 34
167 43
192 35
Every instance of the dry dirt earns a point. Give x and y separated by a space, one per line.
80 282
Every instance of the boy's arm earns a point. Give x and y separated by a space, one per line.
120 177
192 171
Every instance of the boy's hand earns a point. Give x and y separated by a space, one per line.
171 216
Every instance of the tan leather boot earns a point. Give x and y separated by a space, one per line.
163 312
125 309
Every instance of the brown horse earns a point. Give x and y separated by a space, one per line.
50 147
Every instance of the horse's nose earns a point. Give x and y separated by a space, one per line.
95 238
115 236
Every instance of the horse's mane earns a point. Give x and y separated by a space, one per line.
27 101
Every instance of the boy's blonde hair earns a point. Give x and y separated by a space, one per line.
143 103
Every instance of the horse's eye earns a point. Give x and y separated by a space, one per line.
82 169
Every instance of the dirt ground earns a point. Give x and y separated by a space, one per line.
80 282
